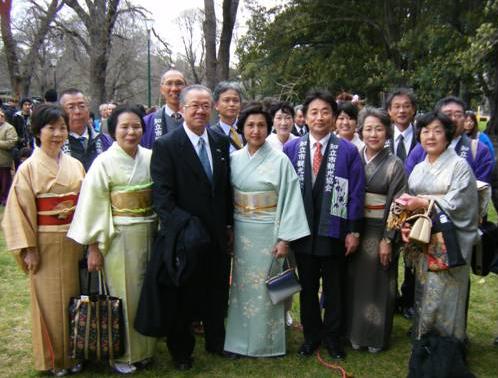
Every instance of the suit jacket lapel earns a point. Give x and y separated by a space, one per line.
217 156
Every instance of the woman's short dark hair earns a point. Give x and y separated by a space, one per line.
427 118
348 108
284 106
46 114
112 121
380 114
470 114
320 94
254 108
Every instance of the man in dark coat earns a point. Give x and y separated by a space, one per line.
191 174
83 142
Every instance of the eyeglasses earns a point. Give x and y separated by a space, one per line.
455 115
74 107
196 107
177 83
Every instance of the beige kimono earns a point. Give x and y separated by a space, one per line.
57 279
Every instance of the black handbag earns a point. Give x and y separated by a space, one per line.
283 285
96 325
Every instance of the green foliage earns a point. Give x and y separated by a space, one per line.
367 47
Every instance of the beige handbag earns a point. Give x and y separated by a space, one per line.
421 229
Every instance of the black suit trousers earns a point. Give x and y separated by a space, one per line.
205 298
332 270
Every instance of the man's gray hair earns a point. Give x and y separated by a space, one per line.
194 87
224 86
298 108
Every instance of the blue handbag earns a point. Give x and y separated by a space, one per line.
283 285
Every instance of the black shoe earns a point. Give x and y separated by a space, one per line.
336 351
307 349
183 365
408 313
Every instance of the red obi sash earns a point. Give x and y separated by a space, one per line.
56 210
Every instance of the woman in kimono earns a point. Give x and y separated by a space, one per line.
114 217
269 212
372 269
39 210
440 296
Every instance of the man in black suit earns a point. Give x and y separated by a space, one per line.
227 102
300 128
191 174
402 106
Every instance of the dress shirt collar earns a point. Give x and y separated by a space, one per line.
407 133
455 141
170 111
194 138
226 127
322 141
78 136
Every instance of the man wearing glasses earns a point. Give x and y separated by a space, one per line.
475 152
83 142
169 116
191 194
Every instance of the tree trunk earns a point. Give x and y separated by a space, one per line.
209 28
21 81
99 22
229 15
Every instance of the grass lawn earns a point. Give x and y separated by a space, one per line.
16 359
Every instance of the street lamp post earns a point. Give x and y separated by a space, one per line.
53 64
148 25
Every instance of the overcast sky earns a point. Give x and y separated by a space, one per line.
165 13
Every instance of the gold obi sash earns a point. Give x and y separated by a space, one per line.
375 205
55 209
136 203
257 206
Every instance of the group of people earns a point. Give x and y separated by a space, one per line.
189 220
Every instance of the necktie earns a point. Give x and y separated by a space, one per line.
401 151
234 135
301 131
203 157
82 141
317 158
176 116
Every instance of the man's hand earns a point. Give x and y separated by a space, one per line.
352 242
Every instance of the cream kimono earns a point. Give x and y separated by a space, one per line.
115 210
38 180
